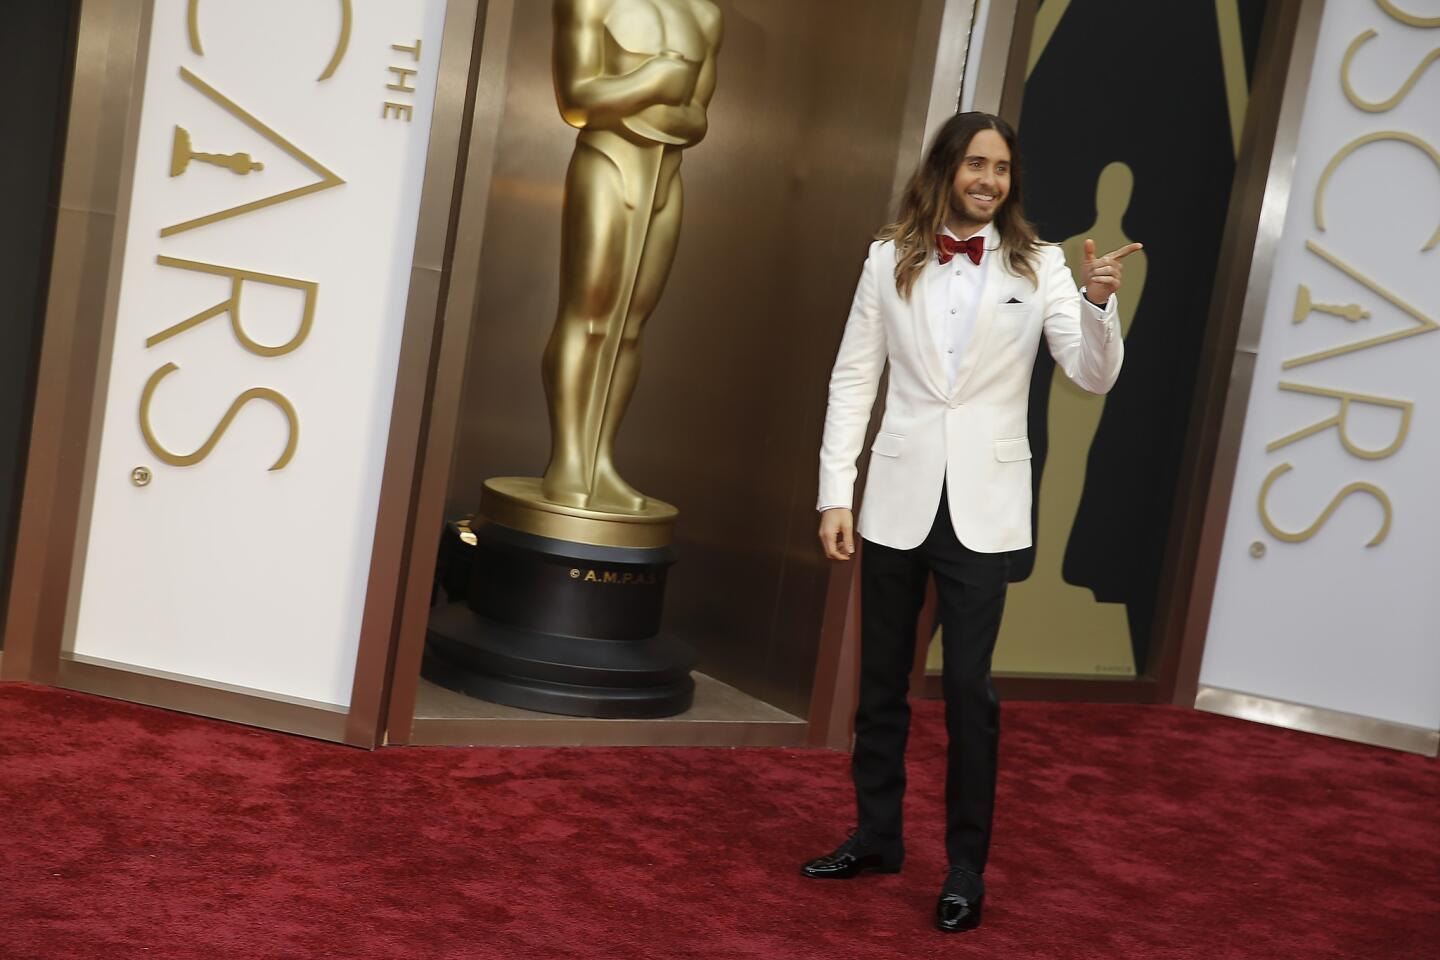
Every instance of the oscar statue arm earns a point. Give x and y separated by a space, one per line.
590 99
854 382
1083 338
689 121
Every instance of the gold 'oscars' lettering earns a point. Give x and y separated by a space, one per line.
190 459
1338 421
1382 105
1357 487
1405 16
327 178
192 22
231 305
1397 135
1425 324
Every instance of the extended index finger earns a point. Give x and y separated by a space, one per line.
1125 251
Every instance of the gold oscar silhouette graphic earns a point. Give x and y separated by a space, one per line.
1052 626
181 153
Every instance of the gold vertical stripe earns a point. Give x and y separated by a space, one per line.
1046 20
1232 58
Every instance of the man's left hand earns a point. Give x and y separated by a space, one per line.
1101 275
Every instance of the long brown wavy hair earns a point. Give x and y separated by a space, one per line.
928 199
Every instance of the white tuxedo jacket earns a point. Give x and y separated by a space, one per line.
972 436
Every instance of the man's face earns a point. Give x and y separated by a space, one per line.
982 181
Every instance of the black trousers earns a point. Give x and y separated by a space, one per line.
971 591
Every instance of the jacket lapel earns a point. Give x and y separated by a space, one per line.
994 277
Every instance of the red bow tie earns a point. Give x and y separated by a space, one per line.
949 247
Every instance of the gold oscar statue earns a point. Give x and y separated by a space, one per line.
181 153
1052 626
635 77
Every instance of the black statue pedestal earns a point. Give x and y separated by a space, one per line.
558 625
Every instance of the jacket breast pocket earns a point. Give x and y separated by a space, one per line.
888 444
1011 450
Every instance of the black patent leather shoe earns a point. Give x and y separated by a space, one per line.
961 901
856 855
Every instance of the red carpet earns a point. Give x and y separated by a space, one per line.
1124 833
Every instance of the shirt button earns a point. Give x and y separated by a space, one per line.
950 351
952 309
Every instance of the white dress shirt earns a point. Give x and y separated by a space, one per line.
953 291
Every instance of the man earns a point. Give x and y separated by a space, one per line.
955 295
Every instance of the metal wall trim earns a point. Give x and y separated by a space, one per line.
199 697
1059 688
997 84
436 427
1329 723
570 732
429 277
1259 203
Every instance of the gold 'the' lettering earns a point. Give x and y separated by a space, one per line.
403 75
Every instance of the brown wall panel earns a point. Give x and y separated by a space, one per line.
780 200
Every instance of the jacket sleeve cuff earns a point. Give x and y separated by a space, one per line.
1103 316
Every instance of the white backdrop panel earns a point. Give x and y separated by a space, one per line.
1328 621
226 570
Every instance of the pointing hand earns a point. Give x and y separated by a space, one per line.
1101 275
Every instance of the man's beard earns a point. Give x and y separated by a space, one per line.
959 211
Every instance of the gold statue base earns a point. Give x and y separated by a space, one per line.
517 503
